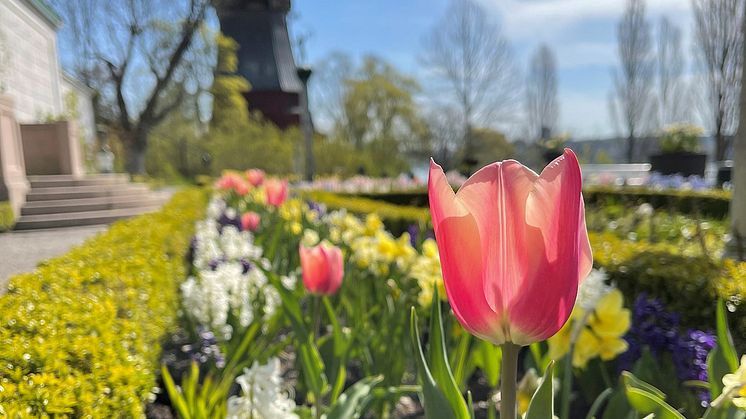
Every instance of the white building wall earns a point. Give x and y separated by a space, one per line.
86 118
31 73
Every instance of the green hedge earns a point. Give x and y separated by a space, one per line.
711 204
7 218
396 217
81 335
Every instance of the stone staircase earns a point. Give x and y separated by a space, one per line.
67 200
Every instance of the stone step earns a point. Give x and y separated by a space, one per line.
81 192
70 219
52 181
90 204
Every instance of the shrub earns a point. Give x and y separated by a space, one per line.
396 217
81 334
711 204
680 138
7 218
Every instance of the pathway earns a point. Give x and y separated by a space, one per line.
21 251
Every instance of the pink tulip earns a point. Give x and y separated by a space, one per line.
277 191
513 247
250 221
232 182
322 269
255 176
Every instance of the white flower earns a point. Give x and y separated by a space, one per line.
262 394
645 210
215 208
592 289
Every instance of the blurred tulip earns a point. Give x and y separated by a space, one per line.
277 191
322 268
255 176
513 247
250 221
232 182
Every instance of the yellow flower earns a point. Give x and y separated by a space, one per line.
296 228
373 224
310 238
610 347
610 319
559 344
586 348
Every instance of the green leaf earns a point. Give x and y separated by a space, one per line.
177 400
647 399
722 359
541 405
350 403
435 403
629 380
439 361
338 372
724 340
598 403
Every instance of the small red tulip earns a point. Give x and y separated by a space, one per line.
322 268
277 191
250 221
513 247
255 176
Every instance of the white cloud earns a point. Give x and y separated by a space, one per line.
584 114
585 54
544 18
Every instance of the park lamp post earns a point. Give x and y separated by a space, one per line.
304 73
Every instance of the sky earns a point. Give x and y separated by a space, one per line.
582 34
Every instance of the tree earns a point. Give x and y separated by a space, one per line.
737 246
328 88
141 55
541 100
379 108
472 65
719 41
672 94
634 80
491 146
228 101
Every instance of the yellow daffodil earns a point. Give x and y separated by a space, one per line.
610 319
586 348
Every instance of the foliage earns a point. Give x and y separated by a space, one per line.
710 204
7 218
680 138
81 334
228 102
489 146
397 218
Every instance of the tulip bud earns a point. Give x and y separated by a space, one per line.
322 268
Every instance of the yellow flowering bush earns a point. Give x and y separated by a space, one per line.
81 334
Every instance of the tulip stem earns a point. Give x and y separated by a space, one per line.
508 380
316 316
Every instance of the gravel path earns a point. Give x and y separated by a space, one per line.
21 251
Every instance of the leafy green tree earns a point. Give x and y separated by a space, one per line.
488 146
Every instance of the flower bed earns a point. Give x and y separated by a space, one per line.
336 341
81 334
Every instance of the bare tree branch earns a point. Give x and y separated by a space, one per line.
541 94
634 80
719 39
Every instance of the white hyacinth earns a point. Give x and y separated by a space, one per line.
262 394
214 296
592 289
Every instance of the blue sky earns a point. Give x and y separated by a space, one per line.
581 32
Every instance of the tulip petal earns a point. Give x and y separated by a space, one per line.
559 255
496 197
336 269
313 267
459 245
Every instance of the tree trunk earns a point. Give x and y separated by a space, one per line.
630 148
136 146
736 248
